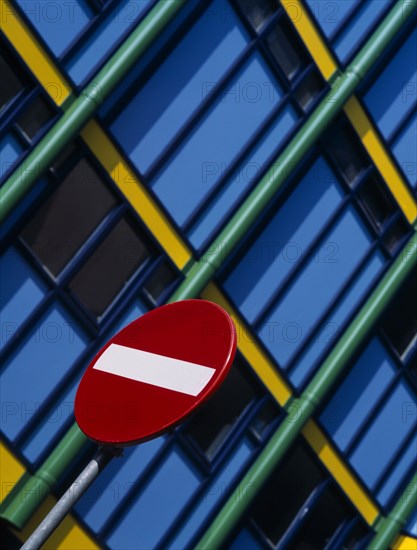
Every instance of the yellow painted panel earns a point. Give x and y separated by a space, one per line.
68 536
33 55
405 543
251 351
311 37
381 159
334 463
11 470
135 193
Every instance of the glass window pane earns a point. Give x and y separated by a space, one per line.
344 147
210 426
308 90
68 217
376 201
396 234
285 493
258 12
159 281
35 117
286 49
109 268
323 520
11 84
400 323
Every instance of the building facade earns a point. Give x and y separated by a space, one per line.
270 146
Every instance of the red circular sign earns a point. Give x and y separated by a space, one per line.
155 372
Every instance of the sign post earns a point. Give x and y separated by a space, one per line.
147 379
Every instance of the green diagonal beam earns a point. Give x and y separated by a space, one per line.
85 106
27 497
390 526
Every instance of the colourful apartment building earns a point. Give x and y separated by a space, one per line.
261 154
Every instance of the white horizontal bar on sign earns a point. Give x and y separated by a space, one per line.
157 370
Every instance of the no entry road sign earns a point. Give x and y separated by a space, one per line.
155 372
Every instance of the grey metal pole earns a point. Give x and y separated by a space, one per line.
70 497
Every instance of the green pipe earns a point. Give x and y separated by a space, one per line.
84 107
342 88
300 410
390 526
31 491
201 272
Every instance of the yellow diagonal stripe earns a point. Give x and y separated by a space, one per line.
250 349
33 54
341 473
405 543
11 470
381 159
135 193
311 37
68 536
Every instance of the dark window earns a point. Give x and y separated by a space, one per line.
285 492
210 426
266 416
396 234
161 279
325 517
308 90
11 82
258 11
285 47
376 201
356 536
343 145
68 217
35 117
109 268
62 160
400 321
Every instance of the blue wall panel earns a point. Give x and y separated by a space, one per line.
385 435
248 172
246 103
121 19
331 329
21 290
10 150
33 370
167 99
59 23
149 516
108 492
214 493
353 402
313 290
280 246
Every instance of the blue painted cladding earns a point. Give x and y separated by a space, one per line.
168 99
245 104
330 330
10 151
38 365
385 435
114 484
121 19
149 516
213 494
313 290
281 245
21 290
353 401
